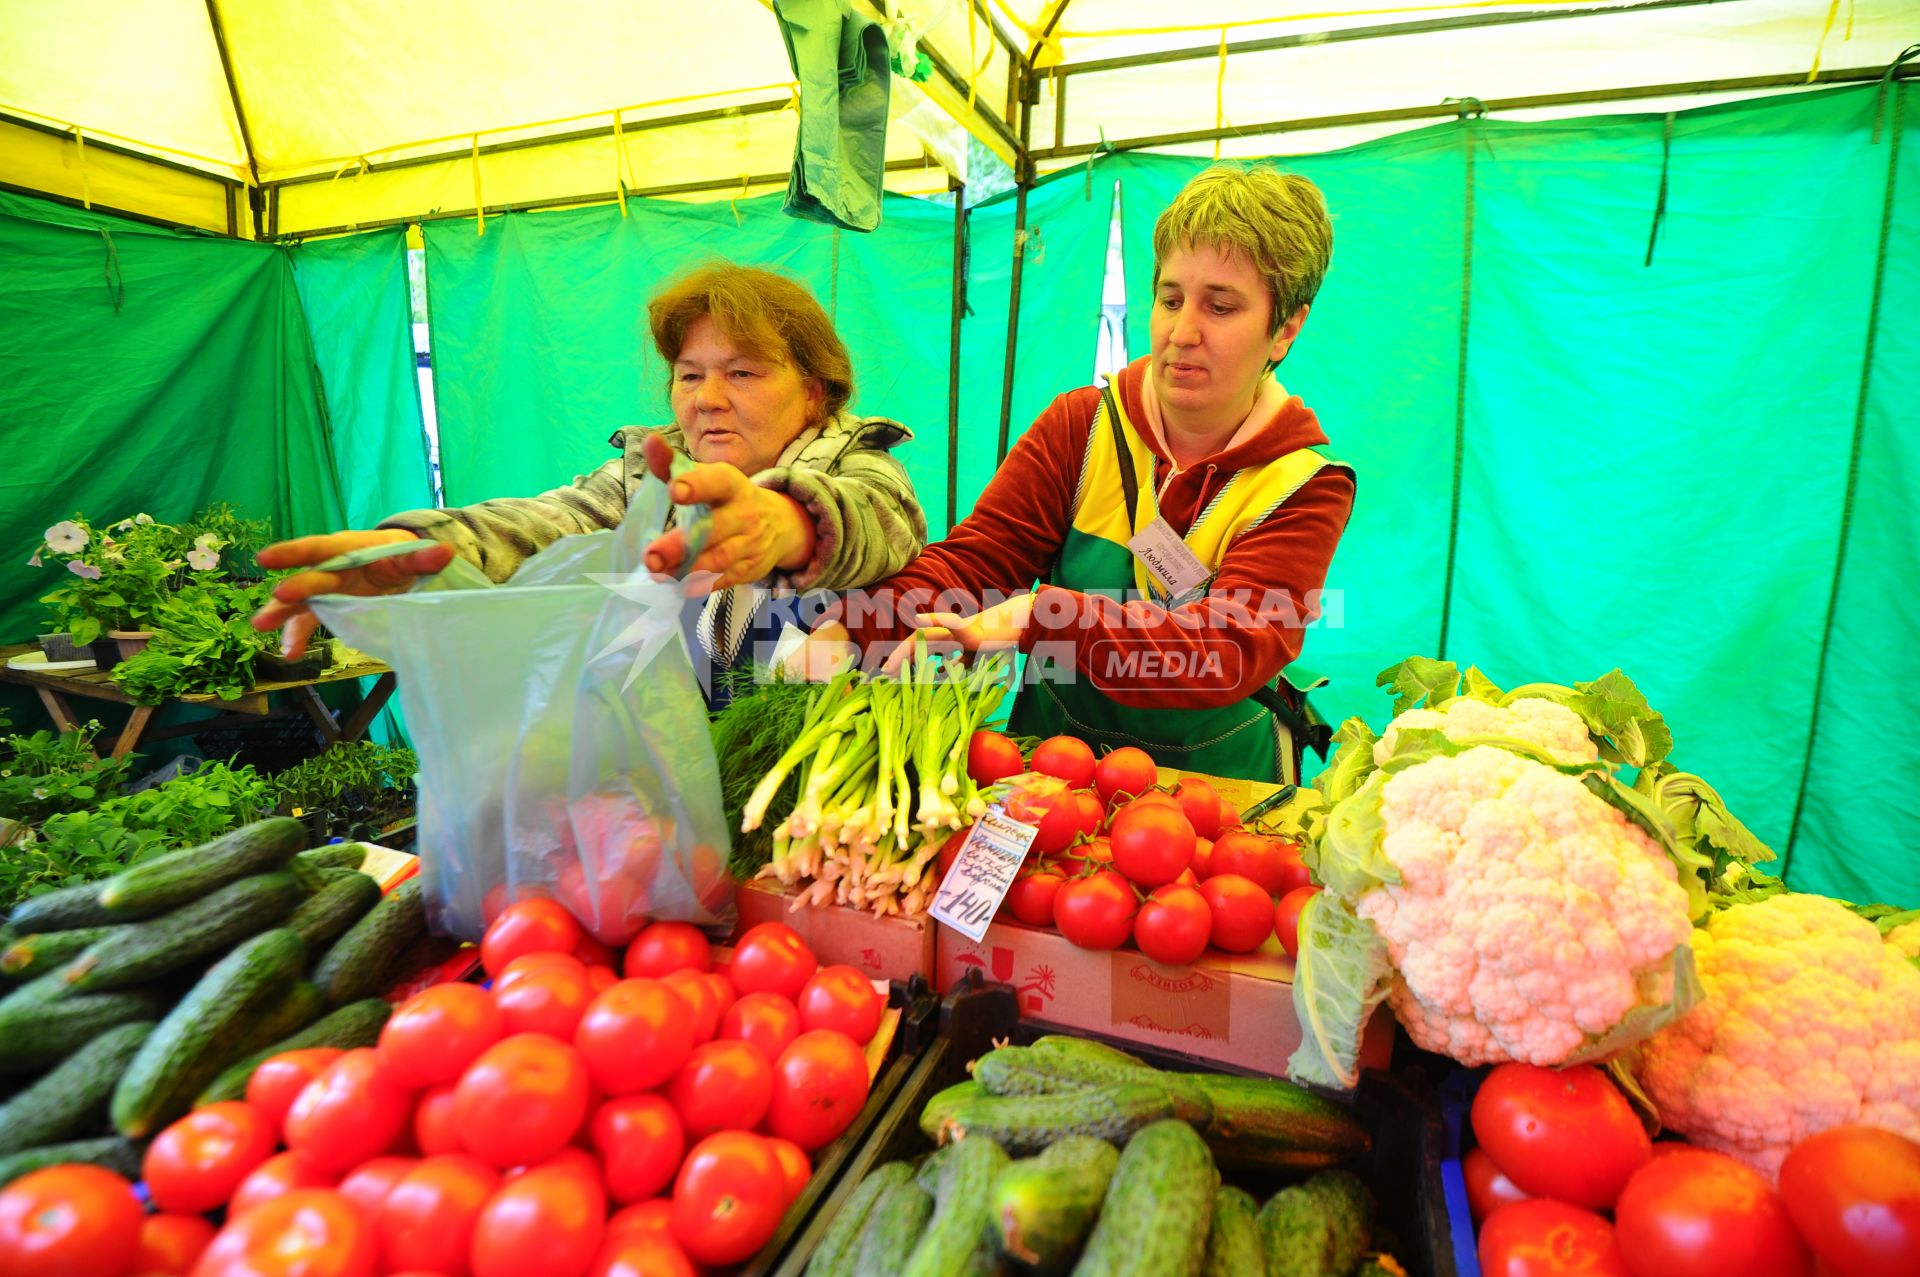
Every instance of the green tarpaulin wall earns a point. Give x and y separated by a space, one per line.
1699 467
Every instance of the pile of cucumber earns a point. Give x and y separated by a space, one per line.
131 999
1072 1157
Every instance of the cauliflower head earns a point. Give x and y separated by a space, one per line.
1530 919
1547 725
1807 1020
1906 941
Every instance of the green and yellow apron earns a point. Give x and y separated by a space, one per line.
1114 500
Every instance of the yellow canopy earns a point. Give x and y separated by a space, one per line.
330 114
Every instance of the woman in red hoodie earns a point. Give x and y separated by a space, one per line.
1179 521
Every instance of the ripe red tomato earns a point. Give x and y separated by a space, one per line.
310 1232
1286 918
600 979
368 1184
819 1085
546 1223
772 958
641 1218
697 992
841 999
724 995
1562 1133
1201 804
1854 1194
1095 912
1294 873
1260 860
649 1255
1242 912
277 1083
1052 810
728 1198
1229 816
549 1002
724 1086
275 1177
1699 1213
1093 813
1202 858
1173 925
1097 850
1031 897
349 1113
594 954
69 1219
635 1036
195 1164
950 849
531 964
669 946
1543 1238
432 1036
765 1020
528 926
1065 758
640 1140
1151 844
794 1164
522 1100
170 1244
1488 1187
426 1219
436 1129
1126 771
992 757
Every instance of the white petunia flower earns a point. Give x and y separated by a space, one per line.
202 560
207 541
66 537
144 520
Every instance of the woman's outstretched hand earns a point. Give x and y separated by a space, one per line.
289 613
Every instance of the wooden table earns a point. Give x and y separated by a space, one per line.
57 686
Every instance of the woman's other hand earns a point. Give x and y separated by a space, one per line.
753 530
996 629
289 613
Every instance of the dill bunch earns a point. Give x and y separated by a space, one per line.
757 726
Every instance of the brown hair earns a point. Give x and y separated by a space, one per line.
769 315
1278 219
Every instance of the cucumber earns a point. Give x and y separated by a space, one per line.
117 1155
299 1005
59 1104
39 1028
62 910
34 955
1317 1229
201 1035
1030 1123
944 1102
1024 1070
933 1169
1265 1124
325 916
1042 1208
355 1025
361 963
957 1240
165 882
340 855
212 924
1233 1240
1159 1208
1088 1049
839 1246
892 1230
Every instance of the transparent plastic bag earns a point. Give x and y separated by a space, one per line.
562 737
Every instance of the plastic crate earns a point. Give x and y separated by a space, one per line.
1402 1116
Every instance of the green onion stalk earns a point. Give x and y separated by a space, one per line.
880 768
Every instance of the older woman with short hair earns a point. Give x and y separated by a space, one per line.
803 494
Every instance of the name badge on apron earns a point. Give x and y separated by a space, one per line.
1168 561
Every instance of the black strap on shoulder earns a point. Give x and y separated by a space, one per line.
1123 457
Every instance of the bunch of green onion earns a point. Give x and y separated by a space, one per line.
882 783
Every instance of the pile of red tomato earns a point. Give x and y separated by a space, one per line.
1565 1180
585 1116
1117 859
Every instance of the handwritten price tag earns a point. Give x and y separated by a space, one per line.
982 873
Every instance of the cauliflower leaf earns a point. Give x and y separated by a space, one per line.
1340 977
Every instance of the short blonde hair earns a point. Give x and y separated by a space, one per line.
769 315
1277 219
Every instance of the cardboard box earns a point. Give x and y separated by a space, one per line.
889 948
1234 1008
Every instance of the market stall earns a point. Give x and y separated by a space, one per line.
1588 943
